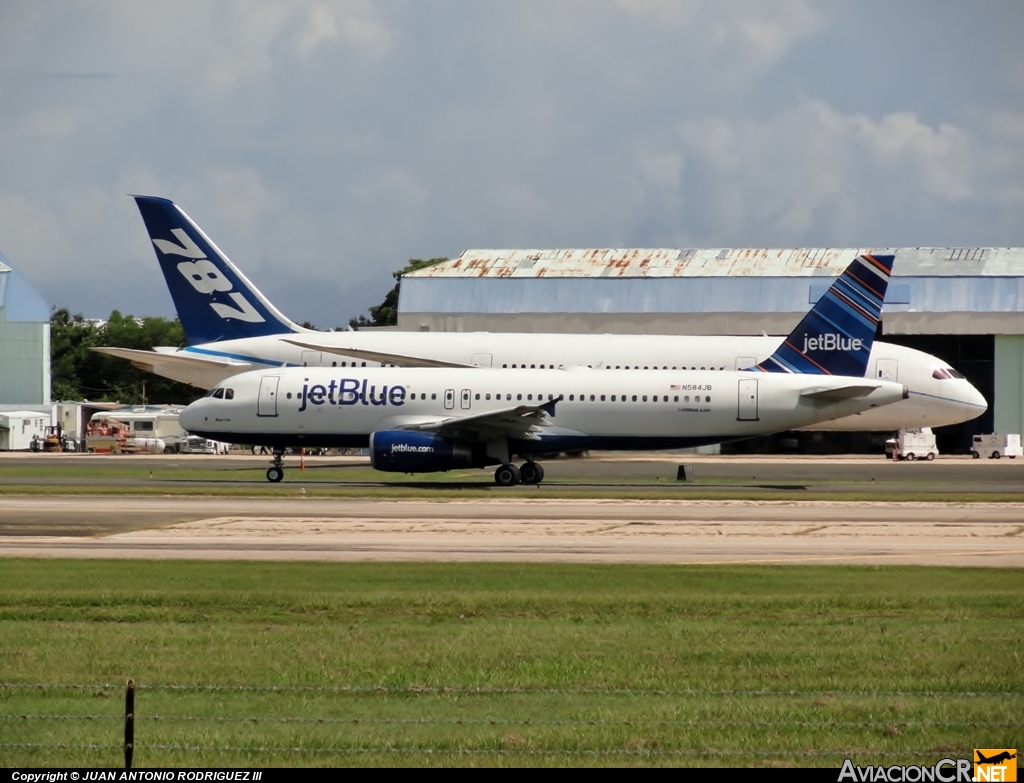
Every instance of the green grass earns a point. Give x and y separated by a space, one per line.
499 664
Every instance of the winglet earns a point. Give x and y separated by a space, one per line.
213 298
549 406
836 336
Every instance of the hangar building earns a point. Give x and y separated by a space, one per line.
965 305
24 342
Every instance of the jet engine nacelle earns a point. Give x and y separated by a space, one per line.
401 451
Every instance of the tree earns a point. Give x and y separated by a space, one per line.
78 373
386 313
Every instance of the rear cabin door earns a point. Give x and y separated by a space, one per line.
267 402
449 399
466 399
887 369
747 408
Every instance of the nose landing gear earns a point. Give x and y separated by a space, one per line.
276 473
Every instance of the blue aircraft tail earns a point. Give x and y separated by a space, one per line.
213 298
836 336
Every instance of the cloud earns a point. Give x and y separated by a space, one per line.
813 174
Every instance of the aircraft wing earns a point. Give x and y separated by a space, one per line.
829 396
521 421
397 359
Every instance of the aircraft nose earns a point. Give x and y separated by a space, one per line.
191 417
976 402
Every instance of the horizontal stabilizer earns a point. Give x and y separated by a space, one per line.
146 360
397 359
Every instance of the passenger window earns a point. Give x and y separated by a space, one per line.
508 397
487 397
602 398
478 395
591 397
645 398
433 395
529 396
686 398
666 398
634 398
504 366
533 366
708 398
572 398
334 364
364 364
613 398
519 396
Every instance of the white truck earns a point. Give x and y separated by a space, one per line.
911 444
996 445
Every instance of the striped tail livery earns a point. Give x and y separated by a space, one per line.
836 336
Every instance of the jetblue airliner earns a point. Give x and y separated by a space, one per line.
231 327
419 420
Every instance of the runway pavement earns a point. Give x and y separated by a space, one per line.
671 531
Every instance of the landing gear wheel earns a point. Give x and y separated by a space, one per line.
274 475
531 473
507 476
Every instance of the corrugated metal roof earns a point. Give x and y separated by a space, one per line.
723 262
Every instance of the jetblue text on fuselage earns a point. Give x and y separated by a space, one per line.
832 342
349 391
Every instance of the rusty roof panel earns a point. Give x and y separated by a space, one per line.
721 262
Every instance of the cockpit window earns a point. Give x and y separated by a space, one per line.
941 375
955 374
219 394
229 394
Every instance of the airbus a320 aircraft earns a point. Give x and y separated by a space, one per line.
231 327
420 420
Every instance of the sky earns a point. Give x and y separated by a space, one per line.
322 144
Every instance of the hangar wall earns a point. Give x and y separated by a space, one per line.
24 341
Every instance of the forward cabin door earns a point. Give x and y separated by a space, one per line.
267 402
887 369
747 408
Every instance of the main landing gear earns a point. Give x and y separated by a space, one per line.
509 475
276 473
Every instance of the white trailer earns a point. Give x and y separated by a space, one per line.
20 429
911 444
996 445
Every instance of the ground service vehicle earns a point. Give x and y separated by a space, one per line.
996 445
912 444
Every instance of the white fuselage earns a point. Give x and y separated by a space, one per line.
933 402
614 409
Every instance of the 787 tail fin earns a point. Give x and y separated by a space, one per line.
836 336
213 298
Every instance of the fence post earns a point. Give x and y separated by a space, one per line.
129 723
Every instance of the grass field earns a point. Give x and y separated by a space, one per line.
497 664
